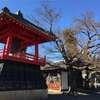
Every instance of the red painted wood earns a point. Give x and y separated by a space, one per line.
29 35
36 54
22 57
3 36
23 45
8 45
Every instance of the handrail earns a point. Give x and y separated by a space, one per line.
1 50
23 57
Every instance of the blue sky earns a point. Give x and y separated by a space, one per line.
69 8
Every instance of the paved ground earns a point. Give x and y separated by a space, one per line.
81 97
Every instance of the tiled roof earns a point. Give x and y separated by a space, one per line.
19 17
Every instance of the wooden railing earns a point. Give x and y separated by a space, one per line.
1 53
22 57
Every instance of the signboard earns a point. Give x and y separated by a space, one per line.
54 83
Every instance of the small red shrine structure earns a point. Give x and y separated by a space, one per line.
17 33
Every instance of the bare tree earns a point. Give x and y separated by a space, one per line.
89 40
75 54
47 15
90 30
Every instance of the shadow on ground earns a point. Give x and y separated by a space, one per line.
79 97
90 95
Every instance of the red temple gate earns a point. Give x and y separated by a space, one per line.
14 27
